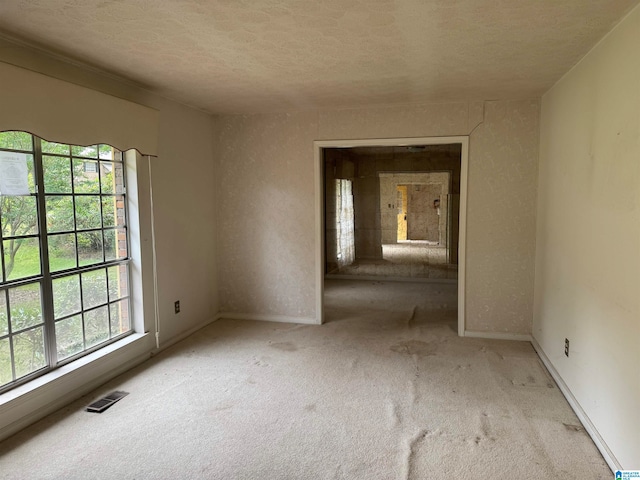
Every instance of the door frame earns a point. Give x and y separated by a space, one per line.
448 172
320 145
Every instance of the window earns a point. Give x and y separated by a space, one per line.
64 280
90 167
345 223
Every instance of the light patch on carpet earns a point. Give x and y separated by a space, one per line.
415 347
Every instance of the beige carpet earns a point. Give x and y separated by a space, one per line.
409 259
384 390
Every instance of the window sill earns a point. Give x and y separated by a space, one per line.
41 396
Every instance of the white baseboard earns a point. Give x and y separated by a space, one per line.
268 318
183 335
499 336
34 400
606 452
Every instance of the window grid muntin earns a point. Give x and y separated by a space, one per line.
2 263
104 264
75 314
37 233
12 333
116 160
6 285
18 237
9 335
46 277
3 275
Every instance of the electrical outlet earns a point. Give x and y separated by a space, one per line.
566 347
176 306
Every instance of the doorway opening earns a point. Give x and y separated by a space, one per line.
392 210
402 194
425 214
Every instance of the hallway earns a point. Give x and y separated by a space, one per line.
409 258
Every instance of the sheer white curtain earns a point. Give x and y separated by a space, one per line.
345 224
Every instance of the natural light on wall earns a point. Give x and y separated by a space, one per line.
65 251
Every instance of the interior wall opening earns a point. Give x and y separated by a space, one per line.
392 211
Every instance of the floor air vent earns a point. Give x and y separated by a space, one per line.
101 405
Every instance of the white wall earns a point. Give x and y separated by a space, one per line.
183 193
266 227
587 285
183 189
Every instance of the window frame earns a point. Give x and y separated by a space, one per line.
46 277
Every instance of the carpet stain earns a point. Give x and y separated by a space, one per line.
221 407
463 367
413 393
260 362
284 346
412 317
414 347
485 427
310 407
573 428
485 431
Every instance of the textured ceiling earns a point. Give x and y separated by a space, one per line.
277 55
